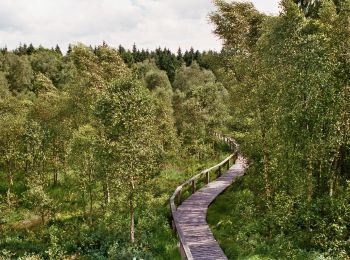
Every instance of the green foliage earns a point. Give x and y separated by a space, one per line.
84 155
199 108
83 144
126 109
55 249
154 79
12 125
238 24
42 84
48 63
96 140
18 71
167 61
162 93
291 116
4 86
39 201
110 62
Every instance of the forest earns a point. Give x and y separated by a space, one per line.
94 141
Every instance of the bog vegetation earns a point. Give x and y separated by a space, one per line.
94 141
91 148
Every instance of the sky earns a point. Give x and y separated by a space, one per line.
147 23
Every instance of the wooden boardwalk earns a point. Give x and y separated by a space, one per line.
198 241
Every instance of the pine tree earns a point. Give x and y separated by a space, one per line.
179 54
58 49
30 49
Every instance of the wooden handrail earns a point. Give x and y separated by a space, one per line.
184 248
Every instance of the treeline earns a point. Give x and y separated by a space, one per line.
83 141
288 79
163 58
166 60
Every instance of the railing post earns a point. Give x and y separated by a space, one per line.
219 170
208 177
193 186
228 164
179 198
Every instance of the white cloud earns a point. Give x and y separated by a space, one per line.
148 23
267 6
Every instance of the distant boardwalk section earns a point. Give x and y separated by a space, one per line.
195 237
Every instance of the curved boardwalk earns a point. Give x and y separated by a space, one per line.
191 216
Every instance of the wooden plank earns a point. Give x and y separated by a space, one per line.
190 217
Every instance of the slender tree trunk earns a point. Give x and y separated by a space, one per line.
90 210
55 174
42 218
320 186
106 191
331 186
57 164
309 180
26 167
132 222
132 213
84 205
266 171
9 183
90 196
9 188
334 174
266 176
55 178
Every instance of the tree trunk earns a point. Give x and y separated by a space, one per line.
55 174
84 204
10 184
309 180
55 178
90 210
334 174
266 178
57 163
90 196
132 213
266 171
42 218
132 222
106 192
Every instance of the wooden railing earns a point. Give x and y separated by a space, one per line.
175 199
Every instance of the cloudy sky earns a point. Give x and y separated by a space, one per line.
148 23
